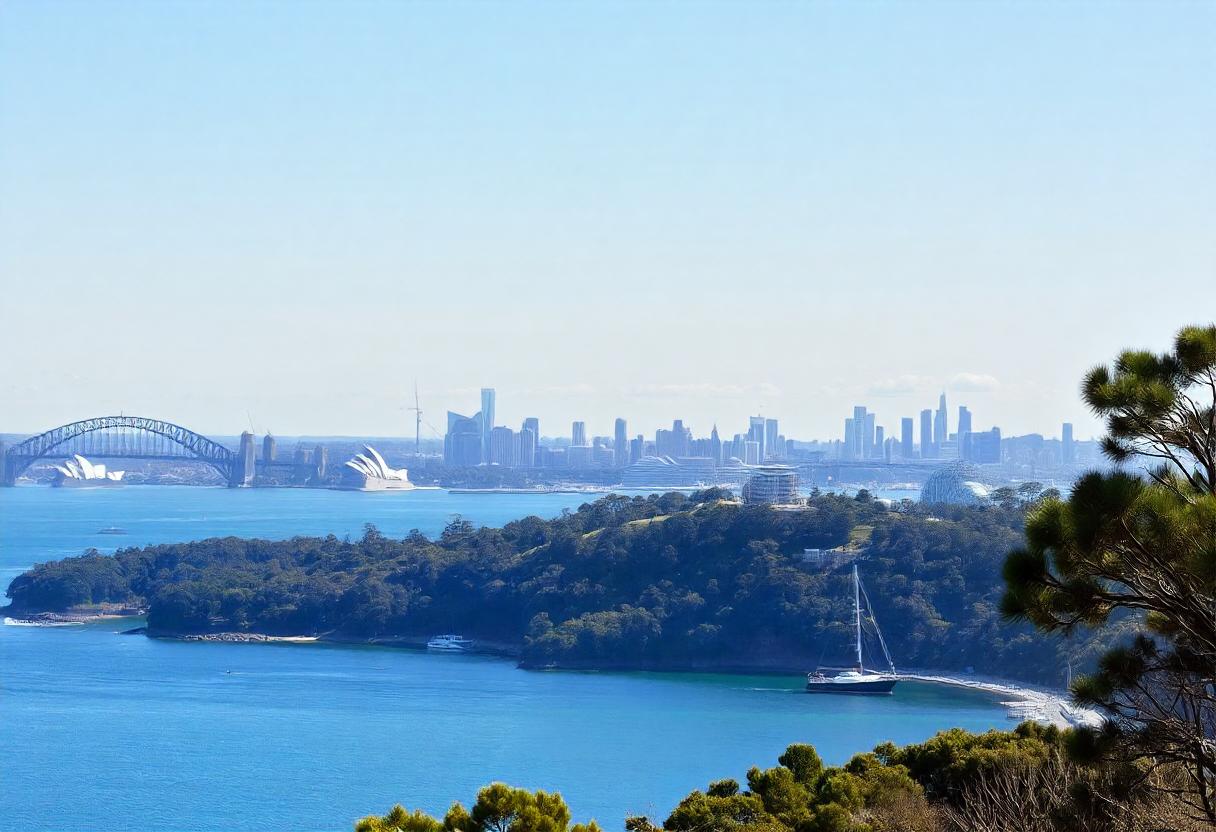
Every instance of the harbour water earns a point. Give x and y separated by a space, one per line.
103 731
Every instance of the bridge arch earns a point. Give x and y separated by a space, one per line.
24 454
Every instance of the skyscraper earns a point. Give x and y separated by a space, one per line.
1068 450
870 440
533 424
527 446
858 451
487 421
578 435
462 442
620 444
681 438
715 446
879 438
755 432
850 438
772 447
964 422
941 426
503 447
907 447
927 448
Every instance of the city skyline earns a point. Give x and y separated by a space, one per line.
810 208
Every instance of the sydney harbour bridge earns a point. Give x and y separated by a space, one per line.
137 437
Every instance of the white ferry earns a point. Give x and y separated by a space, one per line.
450 643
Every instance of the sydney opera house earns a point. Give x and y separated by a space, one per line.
79 471
369 472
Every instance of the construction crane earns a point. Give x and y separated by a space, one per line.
417 422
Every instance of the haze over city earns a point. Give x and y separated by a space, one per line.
651 212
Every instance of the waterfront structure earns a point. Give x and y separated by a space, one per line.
268 449
368 471
956 484
79 471
669 472
771 485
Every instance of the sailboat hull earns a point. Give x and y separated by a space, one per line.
875 687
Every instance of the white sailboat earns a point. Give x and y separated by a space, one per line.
857 680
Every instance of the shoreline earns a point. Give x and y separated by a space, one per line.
1026 701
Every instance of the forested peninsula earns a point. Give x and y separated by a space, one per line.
660 582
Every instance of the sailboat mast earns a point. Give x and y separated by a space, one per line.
857 612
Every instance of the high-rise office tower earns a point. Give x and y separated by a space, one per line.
487 421
858 451
637 448
620 444
462 442
533 424
941 426
681 438
772 448
755 432
964 422
527 446
1068 450
715 446
927 448
879 438
578 435
850 438
751 452
870 440
503 447
907 447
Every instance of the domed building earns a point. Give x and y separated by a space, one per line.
957 485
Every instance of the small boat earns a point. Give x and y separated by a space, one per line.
112 530
856 680
450 643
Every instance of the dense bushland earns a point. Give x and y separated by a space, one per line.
659 581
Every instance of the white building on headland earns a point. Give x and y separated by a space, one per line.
369 472
79 471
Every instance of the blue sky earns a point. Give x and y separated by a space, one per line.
696 210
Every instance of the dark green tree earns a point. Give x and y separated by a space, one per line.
1140 545
499 808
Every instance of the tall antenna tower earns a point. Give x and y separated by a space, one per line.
417 422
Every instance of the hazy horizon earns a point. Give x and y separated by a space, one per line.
221 213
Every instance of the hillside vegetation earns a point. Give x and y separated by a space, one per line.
661 581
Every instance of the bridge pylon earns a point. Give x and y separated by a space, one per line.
244 467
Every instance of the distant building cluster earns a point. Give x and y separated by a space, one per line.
865 440
673 457
761 461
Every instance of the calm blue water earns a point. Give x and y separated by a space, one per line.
102 731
